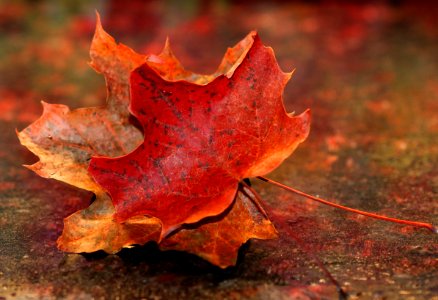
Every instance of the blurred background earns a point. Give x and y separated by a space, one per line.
367 69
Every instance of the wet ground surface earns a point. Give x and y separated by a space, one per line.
368 72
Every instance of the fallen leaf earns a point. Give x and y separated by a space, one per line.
201 140
65 140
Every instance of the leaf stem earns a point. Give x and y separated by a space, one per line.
256 199
360 212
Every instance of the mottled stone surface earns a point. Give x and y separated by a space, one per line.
368 72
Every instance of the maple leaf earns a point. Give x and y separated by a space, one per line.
201 140
65 140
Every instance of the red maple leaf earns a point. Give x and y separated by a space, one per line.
201 140
65 140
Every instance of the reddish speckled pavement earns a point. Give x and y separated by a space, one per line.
370 75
